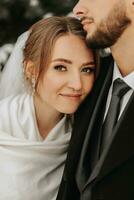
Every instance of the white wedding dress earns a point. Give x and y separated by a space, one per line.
30 168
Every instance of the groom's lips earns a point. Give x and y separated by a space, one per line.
86 21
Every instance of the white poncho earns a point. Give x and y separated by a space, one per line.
30 168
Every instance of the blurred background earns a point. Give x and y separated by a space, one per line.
16 16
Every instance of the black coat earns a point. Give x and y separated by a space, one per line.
112 177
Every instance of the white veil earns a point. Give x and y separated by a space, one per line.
12 78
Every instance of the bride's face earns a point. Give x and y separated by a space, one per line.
69 77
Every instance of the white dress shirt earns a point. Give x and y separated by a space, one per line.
129 80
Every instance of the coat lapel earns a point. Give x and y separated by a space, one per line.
96 120
121 146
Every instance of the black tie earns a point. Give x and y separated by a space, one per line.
119 90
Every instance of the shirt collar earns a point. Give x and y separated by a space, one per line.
129 79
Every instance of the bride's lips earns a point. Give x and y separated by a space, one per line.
72 96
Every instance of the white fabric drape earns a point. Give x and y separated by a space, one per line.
30 168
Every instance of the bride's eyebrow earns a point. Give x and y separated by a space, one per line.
62 60
92 63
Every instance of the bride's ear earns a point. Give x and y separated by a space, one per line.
30 70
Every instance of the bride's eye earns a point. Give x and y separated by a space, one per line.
60 68
88 70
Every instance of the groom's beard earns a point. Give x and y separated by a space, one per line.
110 29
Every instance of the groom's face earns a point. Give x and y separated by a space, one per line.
103 20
